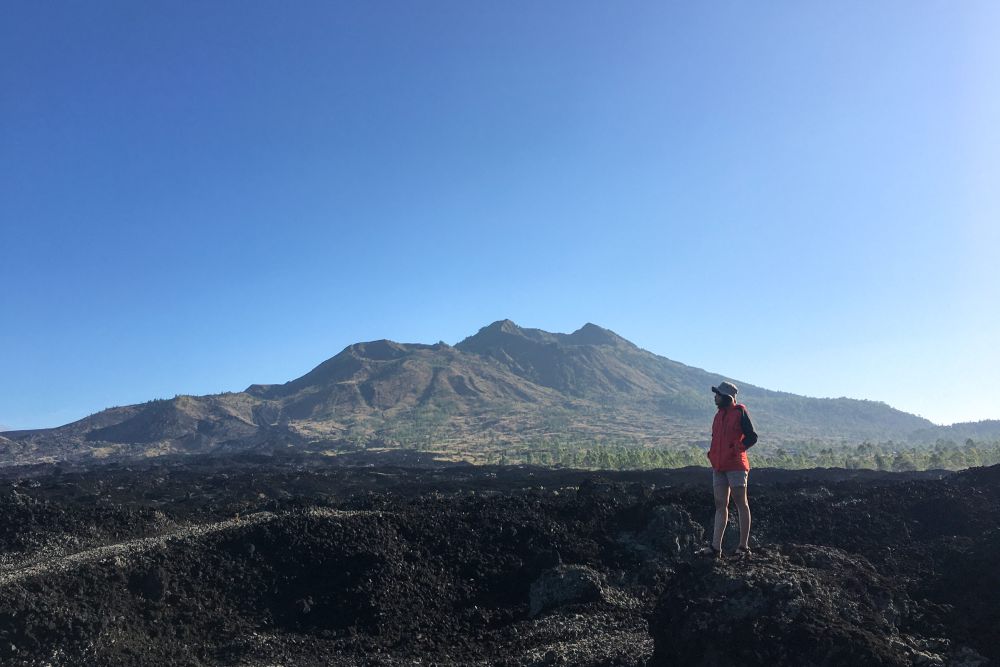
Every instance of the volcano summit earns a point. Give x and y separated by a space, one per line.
504 388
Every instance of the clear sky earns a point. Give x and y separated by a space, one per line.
195 197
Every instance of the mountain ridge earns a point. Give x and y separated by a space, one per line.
504 386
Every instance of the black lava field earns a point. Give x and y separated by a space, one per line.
285 561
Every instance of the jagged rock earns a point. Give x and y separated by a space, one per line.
802 605
565 584
146 566
597 490
971 582
153 584
672 530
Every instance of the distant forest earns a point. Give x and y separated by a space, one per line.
888 456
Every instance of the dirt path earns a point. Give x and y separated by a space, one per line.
49 563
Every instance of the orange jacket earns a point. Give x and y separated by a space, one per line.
730 439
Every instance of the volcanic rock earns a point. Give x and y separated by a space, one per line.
565 584
265 561
793 605
672 530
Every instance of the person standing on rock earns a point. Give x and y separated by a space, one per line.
732 435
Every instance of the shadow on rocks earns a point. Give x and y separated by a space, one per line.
794 605
565 584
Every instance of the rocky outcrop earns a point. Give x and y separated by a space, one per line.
565 584
672 531
793 605
264 560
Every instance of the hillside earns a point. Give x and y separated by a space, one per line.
502 388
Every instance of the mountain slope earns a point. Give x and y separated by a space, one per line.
503 386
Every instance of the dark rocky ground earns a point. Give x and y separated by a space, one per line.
264 561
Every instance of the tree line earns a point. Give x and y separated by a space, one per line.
887 456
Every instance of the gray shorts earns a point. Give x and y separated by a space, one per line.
731 478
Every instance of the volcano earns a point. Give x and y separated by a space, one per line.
505 387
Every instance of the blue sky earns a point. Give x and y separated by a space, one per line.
195 197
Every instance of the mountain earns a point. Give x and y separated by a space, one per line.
504 387
8 447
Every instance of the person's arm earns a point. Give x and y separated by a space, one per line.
749 435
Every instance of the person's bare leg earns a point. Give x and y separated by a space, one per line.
743 509
721 515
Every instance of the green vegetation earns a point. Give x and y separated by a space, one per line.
600 457
887 456
897 457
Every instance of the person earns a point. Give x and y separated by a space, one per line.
732 435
